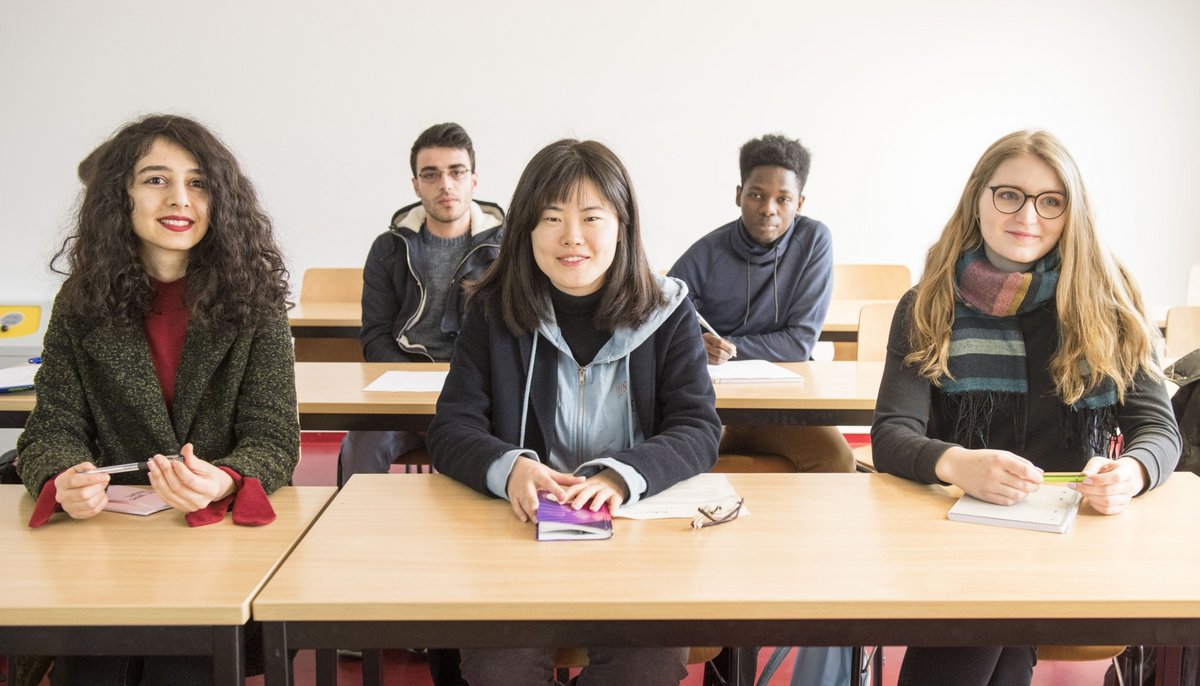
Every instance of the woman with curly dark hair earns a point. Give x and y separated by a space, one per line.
169 336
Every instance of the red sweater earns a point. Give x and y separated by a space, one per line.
166 330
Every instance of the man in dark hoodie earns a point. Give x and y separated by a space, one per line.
763 282
412 298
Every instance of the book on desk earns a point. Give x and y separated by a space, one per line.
559 522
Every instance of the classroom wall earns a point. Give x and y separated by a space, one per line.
321 101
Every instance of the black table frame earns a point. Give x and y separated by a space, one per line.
223 642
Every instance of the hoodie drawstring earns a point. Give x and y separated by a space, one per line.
774 286
528 386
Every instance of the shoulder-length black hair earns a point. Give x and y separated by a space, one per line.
235 274
517 288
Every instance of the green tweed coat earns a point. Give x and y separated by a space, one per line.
98 399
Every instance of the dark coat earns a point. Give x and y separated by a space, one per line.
479 410
98 399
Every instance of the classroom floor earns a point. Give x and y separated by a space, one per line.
318 467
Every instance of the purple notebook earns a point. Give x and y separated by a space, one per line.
556 522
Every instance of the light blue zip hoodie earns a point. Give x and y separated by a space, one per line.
595 416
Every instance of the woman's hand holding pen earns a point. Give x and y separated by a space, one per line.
529 476
719 350
1111 484
996 476
81 495
189 485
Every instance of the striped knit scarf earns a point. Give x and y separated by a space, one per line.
987 350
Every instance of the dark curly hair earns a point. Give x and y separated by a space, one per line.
236 275
774 150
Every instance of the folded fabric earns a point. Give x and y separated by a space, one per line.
47 504
251 507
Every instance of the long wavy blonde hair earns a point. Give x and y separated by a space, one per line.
1101 318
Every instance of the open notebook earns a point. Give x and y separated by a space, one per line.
1050 508
752 371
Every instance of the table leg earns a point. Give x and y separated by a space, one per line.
327 665
229 655
277 666
372 667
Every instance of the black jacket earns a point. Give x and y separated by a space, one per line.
393 295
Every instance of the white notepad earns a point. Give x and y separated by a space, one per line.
752 371
1050 508
394 382
19 378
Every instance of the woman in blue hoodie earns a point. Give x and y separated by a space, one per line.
578 372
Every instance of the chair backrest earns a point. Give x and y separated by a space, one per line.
332 284
1183 330
874 325
1193 292
870 281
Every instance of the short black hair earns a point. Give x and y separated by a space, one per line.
447 135
774 150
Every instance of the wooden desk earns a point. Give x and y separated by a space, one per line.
326 320
127 585
15 409
824 559
344 320
841 321
327 331
330 397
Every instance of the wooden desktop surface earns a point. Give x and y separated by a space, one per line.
822 559
330 396
344 319
118 569
836 546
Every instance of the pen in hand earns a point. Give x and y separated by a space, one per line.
127 467
1063 477
708 327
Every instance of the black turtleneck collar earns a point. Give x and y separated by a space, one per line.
575 315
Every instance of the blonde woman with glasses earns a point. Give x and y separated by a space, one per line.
1024 347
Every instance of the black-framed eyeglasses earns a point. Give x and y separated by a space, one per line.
1010 200
435 175
725 511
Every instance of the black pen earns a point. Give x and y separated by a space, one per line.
127 467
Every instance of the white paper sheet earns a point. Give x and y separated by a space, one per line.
19 377
682 500
408 381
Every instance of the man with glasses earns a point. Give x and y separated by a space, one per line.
762 284
413 296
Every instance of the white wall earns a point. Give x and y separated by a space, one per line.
321 100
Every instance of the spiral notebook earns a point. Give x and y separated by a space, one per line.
1050 508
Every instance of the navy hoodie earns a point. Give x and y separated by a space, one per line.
770 302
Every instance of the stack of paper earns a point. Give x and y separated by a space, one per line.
19 378
1050 508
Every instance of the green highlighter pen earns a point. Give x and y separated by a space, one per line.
1063 477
